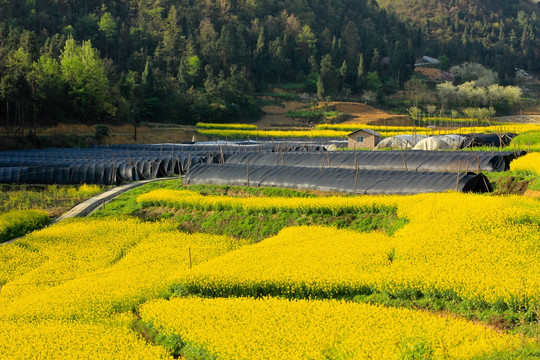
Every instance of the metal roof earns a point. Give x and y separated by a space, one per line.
369 131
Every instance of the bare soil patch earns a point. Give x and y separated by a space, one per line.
431 73
365 114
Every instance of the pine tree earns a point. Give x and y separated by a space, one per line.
320 89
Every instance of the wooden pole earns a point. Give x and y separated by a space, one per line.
476 159
247 171
328 156
403 156
356 174
458 173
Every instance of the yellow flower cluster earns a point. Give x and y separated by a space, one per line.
191 199
354 127
88 270
276 134
530 162
73 340
271 328
202 125
341 131
460 246
510 127
84 191
18 222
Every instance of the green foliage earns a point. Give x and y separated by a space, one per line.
416 349
54 198
17 223
314 115
84 73
256 226
101 132
205 59
498 33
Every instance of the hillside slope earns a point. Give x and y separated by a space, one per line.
498 33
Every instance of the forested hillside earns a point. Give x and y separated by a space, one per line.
187 61
501 34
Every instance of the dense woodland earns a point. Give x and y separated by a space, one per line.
500 34
186 61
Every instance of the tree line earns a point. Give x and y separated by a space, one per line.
188 61
183 61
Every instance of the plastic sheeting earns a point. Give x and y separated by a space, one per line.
432 143
492 140
400 141
98 165
454 141
123 163
339 180
450 161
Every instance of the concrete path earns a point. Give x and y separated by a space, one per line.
88 206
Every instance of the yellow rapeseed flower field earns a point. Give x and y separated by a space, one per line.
63 285
271 328
191 199
462 246
63 340
16 223
72 290
341 131
530 162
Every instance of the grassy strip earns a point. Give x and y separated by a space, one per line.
531 352
285 96
17 223
513 182
126 204
55 199
242 191
314 114
501 318
258 225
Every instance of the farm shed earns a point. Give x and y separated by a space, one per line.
363 138
449 161
339 180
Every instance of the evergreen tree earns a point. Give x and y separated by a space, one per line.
320 89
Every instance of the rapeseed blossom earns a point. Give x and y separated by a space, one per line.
62 287
18 222
529 162
461 246
272 328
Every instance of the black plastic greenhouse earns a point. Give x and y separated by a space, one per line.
337 179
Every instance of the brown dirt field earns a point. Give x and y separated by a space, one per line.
431 73
365 114
275 116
